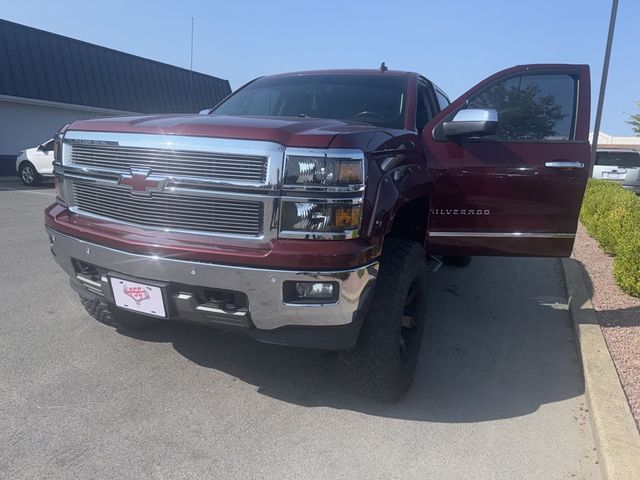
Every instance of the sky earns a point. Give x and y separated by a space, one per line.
454 43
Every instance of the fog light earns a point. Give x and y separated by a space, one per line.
310 292
314 290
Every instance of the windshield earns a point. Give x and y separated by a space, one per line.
618 159
375 99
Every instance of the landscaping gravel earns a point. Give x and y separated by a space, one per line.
617 312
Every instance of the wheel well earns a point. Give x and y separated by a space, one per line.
410 221
23 162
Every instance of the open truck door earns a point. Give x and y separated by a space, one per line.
510 161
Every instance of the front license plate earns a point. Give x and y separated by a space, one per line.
138 297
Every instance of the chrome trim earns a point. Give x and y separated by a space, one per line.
344 235
263 287
346 200
187 214
348 153
559 164
273 152
219 311
502 234
476 115
266 192
84 279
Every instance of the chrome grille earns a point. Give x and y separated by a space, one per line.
171 211
181 163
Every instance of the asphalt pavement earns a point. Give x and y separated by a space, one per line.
498 392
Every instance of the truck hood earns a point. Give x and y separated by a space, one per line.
291 131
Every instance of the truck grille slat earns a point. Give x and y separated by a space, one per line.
175 211
214 166
170 210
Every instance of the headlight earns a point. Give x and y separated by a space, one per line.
335 219
324 170
61 196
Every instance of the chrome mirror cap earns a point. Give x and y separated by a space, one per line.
476 115
471 122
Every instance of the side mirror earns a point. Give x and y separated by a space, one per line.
204 112
472 122
41 147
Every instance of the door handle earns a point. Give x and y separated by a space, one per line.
562 164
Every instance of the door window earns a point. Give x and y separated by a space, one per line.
531 107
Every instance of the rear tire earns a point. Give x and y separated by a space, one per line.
457 261
29 175
111 315
383 362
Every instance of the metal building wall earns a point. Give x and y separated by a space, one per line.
42 65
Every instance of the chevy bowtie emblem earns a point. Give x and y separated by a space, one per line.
141 181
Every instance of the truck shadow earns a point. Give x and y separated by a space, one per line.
498 344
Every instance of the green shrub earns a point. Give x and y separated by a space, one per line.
611 215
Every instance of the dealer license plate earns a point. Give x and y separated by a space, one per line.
138 297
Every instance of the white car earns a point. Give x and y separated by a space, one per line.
35 164
622 166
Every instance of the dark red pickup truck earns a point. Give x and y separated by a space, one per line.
303 209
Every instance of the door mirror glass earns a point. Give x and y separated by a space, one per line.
472 122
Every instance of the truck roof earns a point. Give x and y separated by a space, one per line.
351 71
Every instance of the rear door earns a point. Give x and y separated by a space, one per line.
519 191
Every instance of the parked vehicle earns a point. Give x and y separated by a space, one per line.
33 165
301 210
621 166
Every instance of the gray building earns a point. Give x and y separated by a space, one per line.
48 80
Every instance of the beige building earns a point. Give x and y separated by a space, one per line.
606 141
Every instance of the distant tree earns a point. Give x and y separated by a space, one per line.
524 113
634 121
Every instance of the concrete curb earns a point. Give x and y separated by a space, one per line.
614 429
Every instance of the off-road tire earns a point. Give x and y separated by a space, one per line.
108 314
383 362
457 261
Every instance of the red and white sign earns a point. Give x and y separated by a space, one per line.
138 297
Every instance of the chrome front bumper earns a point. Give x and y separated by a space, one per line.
263 288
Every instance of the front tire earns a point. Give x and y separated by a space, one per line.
384 360
29 175
120 319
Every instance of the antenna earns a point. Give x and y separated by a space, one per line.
383 67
